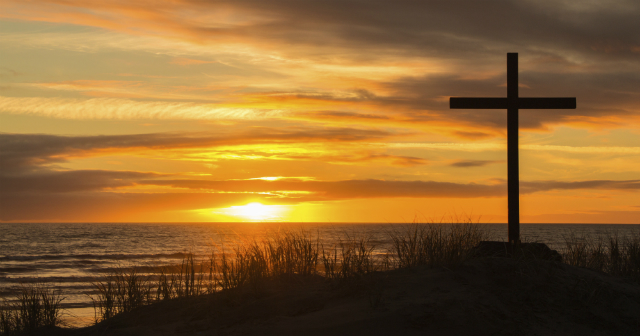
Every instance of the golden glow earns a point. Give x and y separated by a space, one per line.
199 106
257 212
275 178
267 178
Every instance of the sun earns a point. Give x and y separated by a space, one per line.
257 212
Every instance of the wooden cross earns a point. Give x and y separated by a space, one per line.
512 103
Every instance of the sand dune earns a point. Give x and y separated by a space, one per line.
485 296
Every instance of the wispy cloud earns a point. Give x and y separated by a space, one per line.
479 147
382 188
112 206
71 181
406 56
585 149
464 146
189 61
442 27
50 194
473 163
338 154
527 187
100 180
30 151
113 108
330 190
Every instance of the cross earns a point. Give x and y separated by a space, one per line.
512 103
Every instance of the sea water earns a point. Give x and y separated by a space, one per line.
71 256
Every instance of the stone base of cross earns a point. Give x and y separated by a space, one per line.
512 103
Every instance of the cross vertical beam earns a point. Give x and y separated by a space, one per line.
513 170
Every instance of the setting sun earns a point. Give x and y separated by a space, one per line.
256 212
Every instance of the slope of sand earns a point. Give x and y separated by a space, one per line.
485 296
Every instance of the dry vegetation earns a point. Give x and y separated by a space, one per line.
35 306
291 256
612 255
435 245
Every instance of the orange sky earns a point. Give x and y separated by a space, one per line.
333 111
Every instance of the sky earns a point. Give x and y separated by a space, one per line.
314 111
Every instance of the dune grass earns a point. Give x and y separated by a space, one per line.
351 258
190 278
288 256
293 256
35 306
279 256
283 256
126 288
121 291
435 245
612 254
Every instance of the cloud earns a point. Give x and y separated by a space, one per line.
7 72
539 186
88 194
422 53
342 117
458 30
117 108
435 28
607 98
491 146
359 157
585 150
360 63
448 146
96 88
473 163
97 180
109 206
28 151
604 99
382 188
423 111
189 61
85 85
331 190
71 181
473 135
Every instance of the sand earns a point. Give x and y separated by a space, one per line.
485 296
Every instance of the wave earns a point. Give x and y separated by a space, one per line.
94 256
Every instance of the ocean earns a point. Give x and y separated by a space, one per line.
70 256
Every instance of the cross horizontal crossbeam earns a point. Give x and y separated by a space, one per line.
503 103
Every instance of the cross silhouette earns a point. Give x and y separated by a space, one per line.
512 103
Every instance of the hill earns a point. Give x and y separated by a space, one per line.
483 296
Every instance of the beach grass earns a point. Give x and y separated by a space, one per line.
35 306
287 255
291 256
611 254
350 258
435 245
121 291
